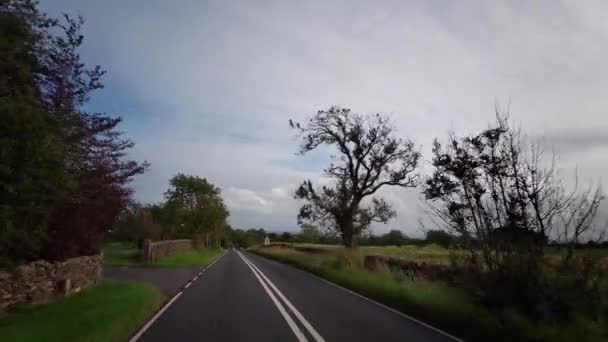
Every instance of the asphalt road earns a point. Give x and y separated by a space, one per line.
243 297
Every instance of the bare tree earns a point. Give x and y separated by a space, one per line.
370 157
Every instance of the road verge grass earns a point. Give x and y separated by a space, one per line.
447 308
121 254
111 311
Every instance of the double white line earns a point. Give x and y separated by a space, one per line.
294 327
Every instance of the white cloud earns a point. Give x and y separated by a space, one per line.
221 79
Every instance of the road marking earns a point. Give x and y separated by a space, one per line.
294 327
163 309
194 279
150 322
373 301
211 264
317 337
188 285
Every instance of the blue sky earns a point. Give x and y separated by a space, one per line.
207 87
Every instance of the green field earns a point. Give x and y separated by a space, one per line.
121 254
446 307
434 254
111 311
127 254
195 257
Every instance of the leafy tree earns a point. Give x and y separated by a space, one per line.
32 177
96 158
197 206
370 157
63 172
309 233
394 238
273 236
286 237
137 223
439 237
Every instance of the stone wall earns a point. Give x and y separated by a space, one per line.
39 281
153 251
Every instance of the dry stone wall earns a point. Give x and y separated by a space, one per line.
153 251
39 281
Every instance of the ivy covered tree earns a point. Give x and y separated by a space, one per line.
370 157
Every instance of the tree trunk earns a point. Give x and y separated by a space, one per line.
348 234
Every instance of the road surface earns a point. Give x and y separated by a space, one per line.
243 297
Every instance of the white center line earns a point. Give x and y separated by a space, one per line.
294 327
295 311
161 311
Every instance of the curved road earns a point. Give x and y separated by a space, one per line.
243 297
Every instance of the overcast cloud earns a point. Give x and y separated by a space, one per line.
207 87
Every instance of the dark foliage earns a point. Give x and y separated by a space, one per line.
503 201
63 171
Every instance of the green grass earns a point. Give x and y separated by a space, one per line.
111 311
446 307
195 257
121 254
434 254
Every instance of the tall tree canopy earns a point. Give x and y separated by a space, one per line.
63 172
370 157
198 206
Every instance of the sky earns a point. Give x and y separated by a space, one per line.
207 87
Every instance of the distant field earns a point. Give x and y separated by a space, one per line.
121 254
434 254
127 254
195 257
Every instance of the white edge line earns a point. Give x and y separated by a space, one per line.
295 311
372 301
216 260
294 327
150 322
165 307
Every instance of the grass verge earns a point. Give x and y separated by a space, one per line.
121 254
111 311
194 257
447 308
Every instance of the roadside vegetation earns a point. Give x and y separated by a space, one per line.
516 253
119 253
437 303
112 311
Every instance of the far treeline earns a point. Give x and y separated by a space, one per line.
312 234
